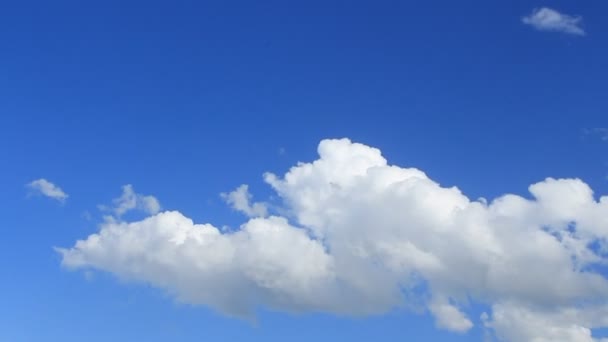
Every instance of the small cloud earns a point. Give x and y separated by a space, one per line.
89 275
598 132
44 187
547 19
130 200
240 200
87 215
449 317
602 133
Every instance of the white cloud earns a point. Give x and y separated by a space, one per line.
517 322
366 237
449 317
240 199
547 19
130 200
48 189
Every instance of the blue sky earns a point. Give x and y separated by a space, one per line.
186 101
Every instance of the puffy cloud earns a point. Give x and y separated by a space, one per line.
361 237
547 19
449 317
48 189
130 200
520 322
240 199
267 262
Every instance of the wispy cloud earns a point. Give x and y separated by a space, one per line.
600 132
547 19
130 200
44 187
240 200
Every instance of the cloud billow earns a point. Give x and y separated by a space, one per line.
364 237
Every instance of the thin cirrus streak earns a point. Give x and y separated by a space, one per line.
363 237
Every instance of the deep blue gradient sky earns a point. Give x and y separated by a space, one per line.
186 100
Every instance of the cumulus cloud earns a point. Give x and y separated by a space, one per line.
130 200
362 237
44 187
547 19
515 322
449 317
240 200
